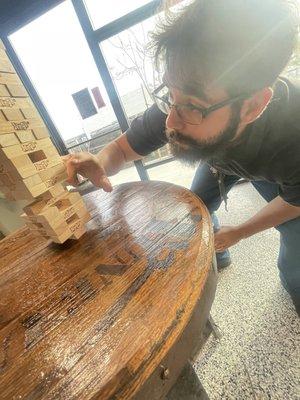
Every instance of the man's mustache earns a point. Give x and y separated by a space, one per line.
174 136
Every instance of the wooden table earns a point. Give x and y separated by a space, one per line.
115 315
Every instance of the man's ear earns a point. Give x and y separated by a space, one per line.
255 105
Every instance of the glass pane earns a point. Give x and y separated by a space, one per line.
58 60
132 68
101 14
97 142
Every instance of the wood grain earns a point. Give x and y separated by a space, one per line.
92 319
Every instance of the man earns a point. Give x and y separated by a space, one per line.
222 103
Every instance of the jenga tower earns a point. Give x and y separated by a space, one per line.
30 166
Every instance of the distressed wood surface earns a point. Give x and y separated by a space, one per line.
92 319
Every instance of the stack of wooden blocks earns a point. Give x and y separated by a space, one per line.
30 166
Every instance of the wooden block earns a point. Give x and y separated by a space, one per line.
15 90
23 166
23 125
13 114
62 205
53 193
50 151
61 238
75 225
6 66
50 217
2 45
32 181
31 113
78 233
20 167
41 133
37 232
37 147
58 218
47 163
9 139
83 214
74 197
56 228
56 179
9 79
25 136
32 225
8 103
46 200
53 175
34 208
21 192
60 211
2 118
28 188
4 91
75 229
52 172
67 211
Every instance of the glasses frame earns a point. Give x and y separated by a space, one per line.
204 111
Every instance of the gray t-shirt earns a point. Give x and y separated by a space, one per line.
268 149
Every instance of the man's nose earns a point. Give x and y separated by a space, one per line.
173 120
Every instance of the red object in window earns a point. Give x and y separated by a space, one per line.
98 98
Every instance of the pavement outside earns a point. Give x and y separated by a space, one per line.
258 354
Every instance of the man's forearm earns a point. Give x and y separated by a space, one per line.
273 214
112 158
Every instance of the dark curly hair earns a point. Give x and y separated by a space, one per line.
240 45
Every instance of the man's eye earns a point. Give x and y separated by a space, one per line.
193 107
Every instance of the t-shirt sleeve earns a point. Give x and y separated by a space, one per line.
290 194
289 182
289 162
147 132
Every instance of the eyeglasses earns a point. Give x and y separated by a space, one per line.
187 112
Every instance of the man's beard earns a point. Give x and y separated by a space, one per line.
192 151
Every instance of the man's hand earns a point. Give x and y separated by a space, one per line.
88 166
227 236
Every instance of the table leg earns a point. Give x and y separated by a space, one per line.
187 386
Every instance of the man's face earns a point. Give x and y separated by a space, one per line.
192 143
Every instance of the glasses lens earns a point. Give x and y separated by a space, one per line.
190 115
186 113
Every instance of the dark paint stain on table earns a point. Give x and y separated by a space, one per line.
106 269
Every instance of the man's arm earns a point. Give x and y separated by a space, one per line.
116 154
97 168
273 214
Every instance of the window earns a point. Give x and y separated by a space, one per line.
56 57
101 14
